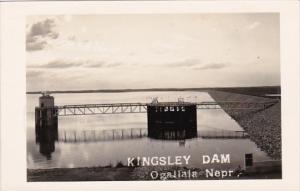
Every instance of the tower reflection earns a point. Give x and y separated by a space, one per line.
172 134
46 129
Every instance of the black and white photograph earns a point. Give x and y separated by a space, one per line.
124 97
149 95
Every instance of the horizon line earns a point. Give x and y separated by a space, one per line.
142 89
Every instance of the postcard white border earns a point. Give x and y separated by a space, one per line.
13 98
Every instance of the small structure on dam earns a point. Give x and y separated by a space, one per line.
46 128
172 120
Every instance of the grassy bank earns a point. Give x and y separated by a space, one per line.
79 174
264 126
123 173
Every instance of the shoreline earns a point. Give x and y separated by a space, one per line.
125 173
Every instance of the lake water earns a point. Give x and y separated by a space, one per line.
101 153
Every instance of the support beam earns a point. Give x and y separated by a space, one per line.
118 108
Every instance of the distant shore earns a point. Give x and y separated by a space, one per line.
260 90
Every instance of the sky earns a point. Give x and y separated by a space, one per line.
79 52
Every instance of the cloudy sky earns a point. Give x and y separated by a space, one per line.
73 52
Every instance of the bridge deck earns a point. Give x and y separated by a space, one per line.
117 108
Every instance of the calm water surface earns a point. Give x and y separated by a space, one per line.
101 153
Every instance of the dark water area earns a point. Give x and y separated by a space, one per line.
101 140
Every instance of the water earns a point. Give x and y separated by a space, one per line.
102 153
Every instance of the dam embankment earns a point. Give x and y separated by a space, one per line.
263 126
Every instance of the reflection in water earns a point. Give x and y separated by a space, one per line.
139 133
46 125
46 131
173 134
46 138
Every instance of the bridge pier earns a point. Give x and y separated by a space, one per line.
172 120
46 128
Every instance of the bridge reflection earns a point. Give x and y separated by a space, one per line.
46 139
137 133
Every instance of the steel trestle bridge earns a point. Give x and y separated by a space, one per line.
119 108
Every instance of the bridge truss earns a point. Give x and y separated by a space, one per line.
118 108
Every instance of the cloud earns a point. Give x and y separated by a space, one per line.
35 45
253 25
114 64
39 33
213 66
95 64
64 64
33 73
43 29
58 64
101 64
185 63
